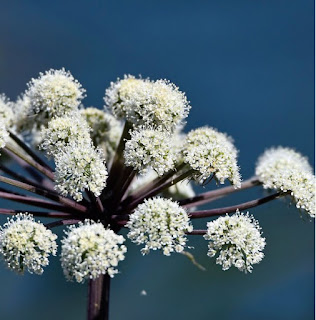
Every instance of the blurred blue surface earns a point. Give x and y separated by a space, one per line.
248 69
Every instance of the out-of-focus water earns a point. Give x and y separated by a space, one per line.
248 69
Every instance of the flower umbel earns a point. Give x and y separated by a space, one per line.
54 93
149 148
287 170
159 224
236 241
26 244
144 102
209 152
90 250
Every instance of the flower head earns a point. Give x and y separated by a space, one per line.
6 111
149 148
159 223
22 109
80 167
26 244
286 170
90 250
145 102
62 131
209 152
54 93
105 131
236 241
4 135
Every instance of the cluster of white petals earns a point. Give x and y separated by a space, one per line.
63 131
149 148
106 130
80 167
209 152
145 102
26 244
159 223
236 241
22 115
90 250
54 93
286 170
6 111
4 135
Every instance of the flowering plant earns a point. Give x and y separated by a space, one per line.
127 166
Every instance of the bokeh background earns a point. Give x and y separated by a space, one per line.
248 69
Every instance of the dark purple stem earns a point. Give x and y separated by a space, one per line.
242 206
99 298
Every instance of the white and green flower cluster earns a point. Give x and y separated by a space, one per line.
209 152
149 149
90 250
286 170
159 223
236 241
54 94
87 251
66 135
6 111
26 244
105 131
144 102
4 135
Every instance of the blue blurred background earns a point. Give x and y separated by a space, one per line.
248 69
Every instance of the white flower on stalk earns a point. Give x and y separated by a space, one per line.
159 223
53 94
286 170
80 167
26 244
90 250
210 152
236 241
145 102
4 135
6 111
63 131
149 148
105 130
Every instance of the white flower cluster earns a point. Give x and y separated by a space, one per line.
236 240
149 148
26 244
209 152
4 135
105 130
145 102
22 117
287 170
6 111
159 223
90 250
64 131
80 167
54 94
